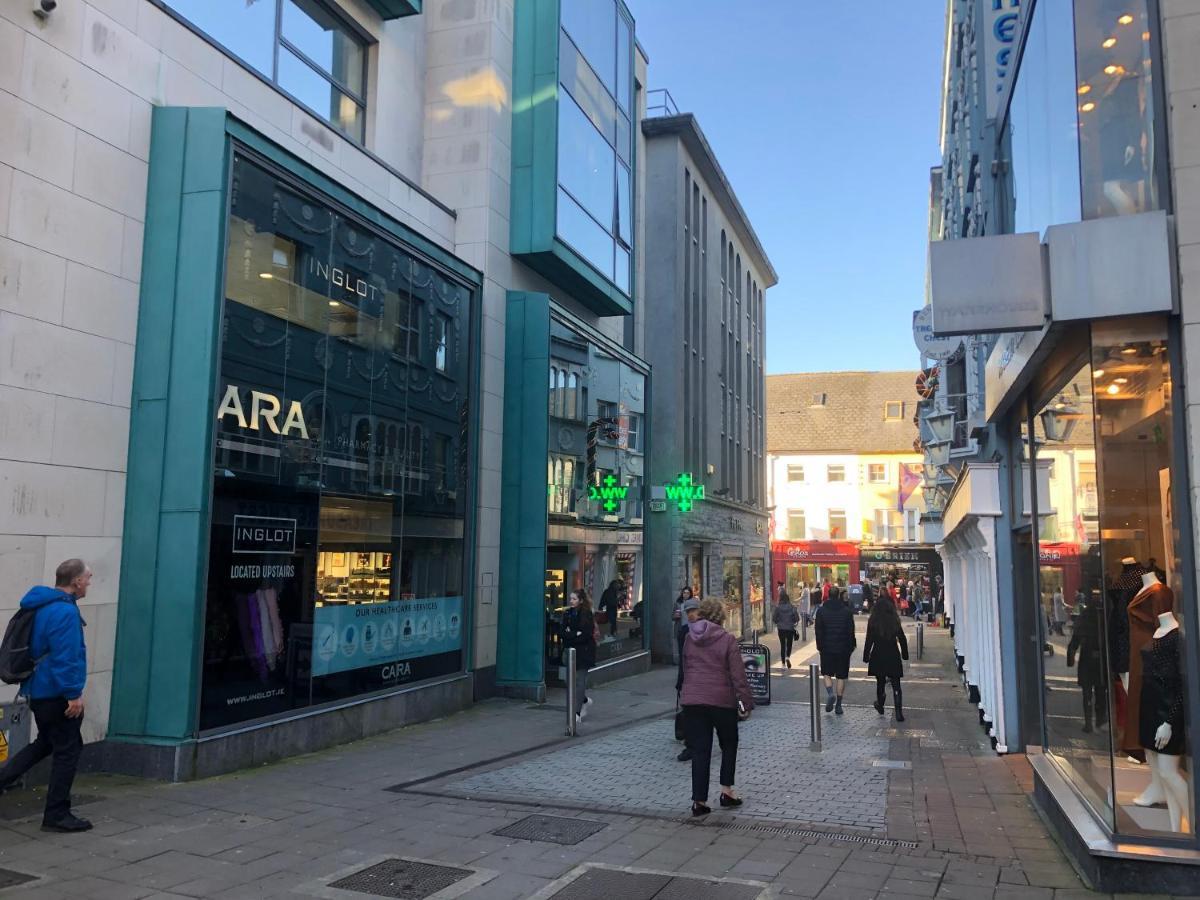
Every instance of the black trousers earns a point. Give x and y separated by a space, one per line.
786 636
699 723
59 736
880 681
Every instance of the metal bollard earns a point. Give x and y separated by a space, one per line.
920 640
804 629
814 705
571 690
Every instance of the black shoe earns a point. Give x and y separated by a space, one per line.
1087 727
829 704
699 809
899 714
726 800
838 708
878 707
684 755
68 824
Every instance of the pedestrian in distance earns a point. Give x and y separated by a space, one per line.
579 631
883 651
806 604
58 654
785 617
691 613
1058 607
835 643
678 619
610 603
715 697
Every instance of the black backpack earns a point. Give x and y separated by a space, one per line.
16 657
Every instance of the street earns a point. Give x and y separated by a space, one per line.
922 809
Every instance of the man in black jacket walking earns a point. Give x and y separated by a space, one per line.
835 643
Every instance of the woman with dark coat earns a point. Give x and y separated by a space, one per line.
1087 641
579 631
883 651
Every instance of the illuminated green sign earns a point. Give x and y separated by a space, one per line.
610 492
683 492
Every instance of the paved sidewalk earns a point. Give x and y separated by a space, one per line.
958 823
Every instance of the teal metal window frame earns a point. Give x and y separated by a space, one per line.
161 613
537 93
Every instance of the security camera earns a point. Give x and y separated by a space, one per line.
43 8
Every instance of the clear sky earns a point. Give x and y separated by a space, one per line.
824 116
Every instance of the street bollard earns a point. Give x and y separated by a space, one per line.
571 689
804 629
814 705
754 637
920 640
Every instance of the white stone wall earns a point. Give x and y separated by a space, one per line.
1181 49
76 93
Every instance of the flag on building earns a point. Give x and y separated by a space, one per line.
910 477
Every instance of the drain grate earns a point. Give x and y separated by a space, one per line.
904 733
551 829
402 879
604 884
891 764
9 878
864 839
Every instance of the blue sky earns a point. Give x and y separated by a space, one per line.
824 116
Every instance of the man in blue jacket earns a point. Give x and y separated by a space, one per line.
55 692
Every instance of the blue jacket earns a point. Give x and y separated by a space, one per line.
57 643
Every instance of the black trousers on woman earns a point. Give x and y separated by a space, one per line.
699 723
880 681
786 636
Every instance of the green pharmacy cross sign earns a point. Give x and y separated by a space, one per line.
684 492
610 492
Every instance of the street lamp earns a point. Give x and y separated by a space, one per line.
942 427
1059 424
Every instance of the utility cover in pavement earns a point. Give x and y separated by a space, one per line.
551 829
402 879
604 884
9 878
892 764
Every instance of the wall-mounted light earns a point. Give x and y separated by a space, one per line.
939 454
941 425
1059 425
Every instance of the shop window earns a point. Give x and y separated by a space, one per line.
835 473
837 524
877 473
795 473
1110 582
796 525
733 571
336 563
303 46
441 331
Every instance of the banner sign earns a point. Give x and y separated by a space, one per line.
355 636
1001 20
910 478
757 660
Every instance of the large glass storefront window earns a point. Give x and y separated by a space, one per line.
1109 579
1116 98
595 475
758 595
732 598
340 479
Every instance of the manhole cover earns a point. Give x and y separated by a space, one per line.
9 878
604 884
891 764
551 829
403 879
904 733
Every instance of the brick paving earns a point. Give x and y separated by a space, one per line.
961 815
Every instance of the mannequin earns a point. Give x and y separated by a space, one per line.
1154 599
1123 591
1161 729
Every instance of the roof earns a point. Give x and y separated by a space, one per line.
688 130
851 421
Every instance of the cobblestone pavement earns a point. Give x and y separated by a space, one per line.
956 824
636 770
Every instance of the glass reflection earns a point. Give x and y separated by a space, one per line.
595 472
317 34
312 89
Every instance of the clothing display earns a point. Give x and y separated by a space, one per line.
1127 586
1144 610
1162 694
261 630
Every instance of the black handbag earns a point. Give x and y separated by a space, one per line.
678 721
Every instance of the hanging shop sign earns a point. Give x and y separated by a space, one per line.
609 493
683 492
1001 28
930 345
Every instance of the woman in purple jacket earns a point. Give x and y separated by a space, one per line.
715 696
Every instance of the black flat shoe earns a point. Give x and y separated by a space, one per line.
699 809
726 800
68 824
684 755
838 709
878 708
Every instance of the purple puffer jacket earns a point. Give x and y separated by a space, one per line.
713 671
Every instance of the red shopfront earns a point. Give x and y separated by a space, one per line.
797 563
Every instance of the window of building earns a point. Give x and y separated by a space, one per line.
877 473
912 524
561 477
889 526
837 524
795 473
819 399
303 46
893 410
406 341
795 525
835 473
595 140
441 329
